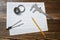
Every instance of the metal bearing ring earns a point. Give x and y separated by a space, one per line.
18 11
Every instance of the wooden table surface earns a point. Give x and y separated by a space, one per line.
52 8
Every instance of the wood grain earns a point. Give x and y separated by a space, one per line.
52 8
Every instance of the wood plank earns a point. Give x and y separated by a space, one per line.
52 8
49 35
33 0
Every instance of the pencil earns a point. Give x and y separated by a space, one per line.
38 27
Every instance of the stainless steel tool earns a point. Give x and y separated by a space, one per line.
14 25
17 9
40 10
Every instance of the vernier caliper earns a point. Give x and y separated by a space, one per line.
40 11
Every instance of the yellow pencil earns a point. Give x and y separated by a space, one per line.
38 27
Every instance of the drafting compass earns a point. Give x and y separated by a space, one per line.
14 25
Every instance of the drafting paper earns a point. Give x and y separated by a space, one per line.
26 17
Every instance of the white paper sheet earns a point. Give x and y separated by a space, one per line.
26 17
